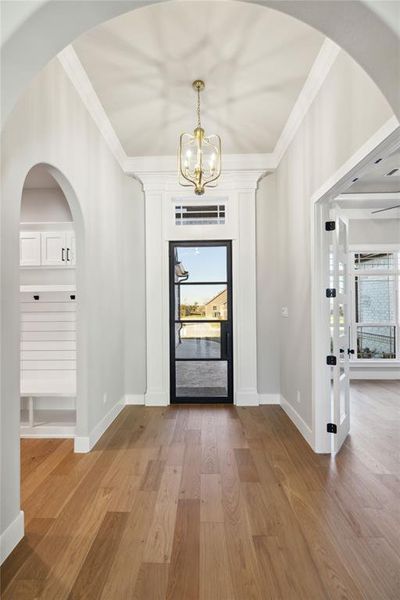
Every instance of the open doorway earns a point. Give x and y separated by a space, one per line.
48 303
359 261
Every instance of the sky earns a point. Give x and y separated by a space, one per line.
206 264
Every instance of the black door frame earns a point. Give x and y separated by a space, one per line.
226 340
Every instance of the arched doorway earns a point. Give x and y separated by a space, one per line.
48 304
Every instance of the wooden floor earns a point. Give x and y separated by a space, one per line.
215 503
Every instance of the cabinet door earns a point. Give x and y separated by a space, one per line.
71 248
29 248
54 248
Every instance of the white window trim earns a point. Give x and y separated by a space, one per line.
374 248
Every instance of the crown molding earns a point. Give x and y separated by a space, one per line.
316 77
166 181
230 163
82 84
133 165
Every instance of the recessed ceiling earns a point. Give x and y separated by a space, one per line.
254 61
382 177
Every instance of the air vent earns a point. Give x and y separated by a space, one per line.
210 214
392 172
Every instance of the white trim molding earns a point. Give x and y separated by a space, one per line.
85 444
11 536
150 164
133 399
316 77
301 425
269 399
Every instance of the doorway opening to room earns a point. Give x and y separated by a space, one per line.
201 344
357 287
48 309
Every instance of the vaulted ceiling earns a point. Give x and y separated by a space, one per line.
254 61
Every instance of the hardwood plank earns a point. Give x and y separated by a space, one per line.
215 579
245 463
183 580
95 569
152 582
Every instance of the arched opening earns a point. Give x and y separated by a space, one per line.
51 349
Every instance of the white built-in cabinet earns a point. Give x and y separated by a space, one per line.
47 249
29 248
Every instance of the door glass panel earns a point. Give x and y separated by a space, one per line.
376 342
373 261
199 302
201 378
205 263
375 297
198 340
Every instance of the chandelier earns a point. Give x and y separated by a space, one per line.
199 155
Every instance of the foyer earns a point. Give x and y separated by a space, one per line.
200 365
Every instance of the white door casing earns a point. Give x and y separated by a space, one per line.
162 194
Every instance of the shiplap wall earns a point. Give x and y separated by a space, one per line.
48 343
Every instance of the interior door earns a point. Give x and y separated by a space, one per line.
201 366
340 331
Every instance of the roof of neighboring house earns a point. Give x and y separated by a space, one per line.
219 295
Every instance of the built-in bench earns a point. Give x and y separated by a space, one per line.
48 344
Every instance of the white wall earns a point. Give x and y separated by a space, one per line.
50 125
347 111
42 206
374 231
268 309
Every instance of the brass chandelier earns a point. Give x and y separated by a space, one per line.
199 155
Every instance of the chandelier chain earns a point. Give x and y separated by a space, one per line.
198 108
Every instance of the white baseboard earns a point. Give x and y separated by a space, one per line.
269 398
301 425
11 536
156 399
248 397
85 444
134 399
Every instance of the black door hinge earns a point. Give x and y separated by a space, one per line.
330 292
330 225
331 360
331 428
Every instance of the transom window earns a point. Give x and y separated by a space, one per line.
376 287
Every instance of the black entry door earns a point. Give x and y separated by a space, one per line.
201 368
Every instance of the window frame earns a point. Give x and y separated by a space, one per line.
353 273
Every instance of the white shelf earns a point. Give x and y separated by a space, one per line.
47 288
45 223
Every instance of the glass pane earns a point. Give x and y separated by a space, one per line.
205 263
198 340
371 261
376 342
203 302
342 235
196 379
375 298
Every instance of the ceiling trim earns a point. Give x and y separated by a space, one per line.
369 196
151 164
82 84
316 77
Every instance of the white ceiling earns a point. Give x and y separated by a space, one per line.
254 61
377 180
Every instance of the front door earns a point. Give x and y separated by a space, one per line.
201 322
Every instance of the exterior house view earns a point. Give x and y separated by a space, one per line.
200 284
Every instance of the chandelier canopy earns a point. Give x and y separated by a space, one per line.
199 155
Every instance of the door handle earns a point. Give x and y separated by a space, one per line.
68 250
62 254
350 351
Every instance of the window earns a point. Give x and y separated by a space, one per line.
376 286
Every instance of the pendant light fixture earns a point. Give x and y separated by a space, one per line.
199 155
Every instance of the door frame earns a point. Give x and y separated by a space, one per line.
172 360
385 141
